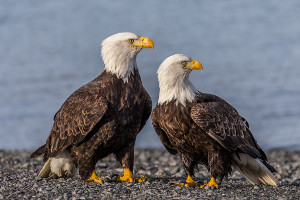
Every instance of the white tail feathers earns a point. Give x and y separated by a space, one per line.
61 166
253 170
46 170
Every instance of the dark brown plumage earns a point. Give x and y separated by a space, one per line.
206 130
98 119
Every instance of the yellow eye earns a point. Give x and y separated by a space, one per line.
183 63
131 41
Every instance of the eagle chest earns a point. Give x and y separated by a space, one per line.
176 122
130 109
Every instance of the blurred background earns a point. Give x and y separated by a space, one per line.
250 51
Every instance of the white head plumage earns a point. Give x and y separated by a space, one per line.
173 78
119 53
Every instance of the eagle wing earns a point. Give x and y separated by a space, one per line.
147 110
161 134
75 120
224 124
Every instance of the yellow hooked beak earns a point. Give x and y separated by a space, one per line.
194 64
143 43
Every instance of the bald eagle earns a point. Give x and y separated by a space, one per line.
102 117
204 129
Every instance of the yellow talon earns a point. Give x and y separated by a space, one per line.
188 183
94 178
212 182
140 180
127 176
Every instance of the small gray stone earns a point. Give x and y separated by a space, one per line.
173 163
175 170
159 173
54 190
179 174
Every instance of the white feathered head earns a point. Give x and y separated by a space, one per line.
119 53
173 78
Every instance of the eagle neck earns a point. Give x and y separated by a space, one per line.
181 90
123 66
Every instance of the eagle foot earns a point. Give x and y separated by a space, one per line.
140 180
188 183
211 183
94 178
127 176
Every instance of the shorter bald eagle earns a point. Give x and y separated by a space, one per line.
204 129
102 117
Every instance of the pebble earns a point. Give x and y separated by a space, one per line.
18 179
159 173
179 175
175 170
255 187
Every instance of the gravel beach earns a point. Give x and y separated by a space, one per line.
18 180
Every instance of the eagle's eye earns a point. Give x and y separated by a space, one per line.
131 41
183 63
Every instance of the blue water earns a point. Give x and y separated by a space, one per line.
250 51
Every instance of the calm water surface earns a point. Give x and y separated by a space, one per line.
250 52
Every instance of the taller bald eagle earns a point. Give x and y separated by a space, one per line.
204 129
102 117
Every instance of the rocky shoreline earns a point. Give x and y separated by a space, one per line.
18 179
